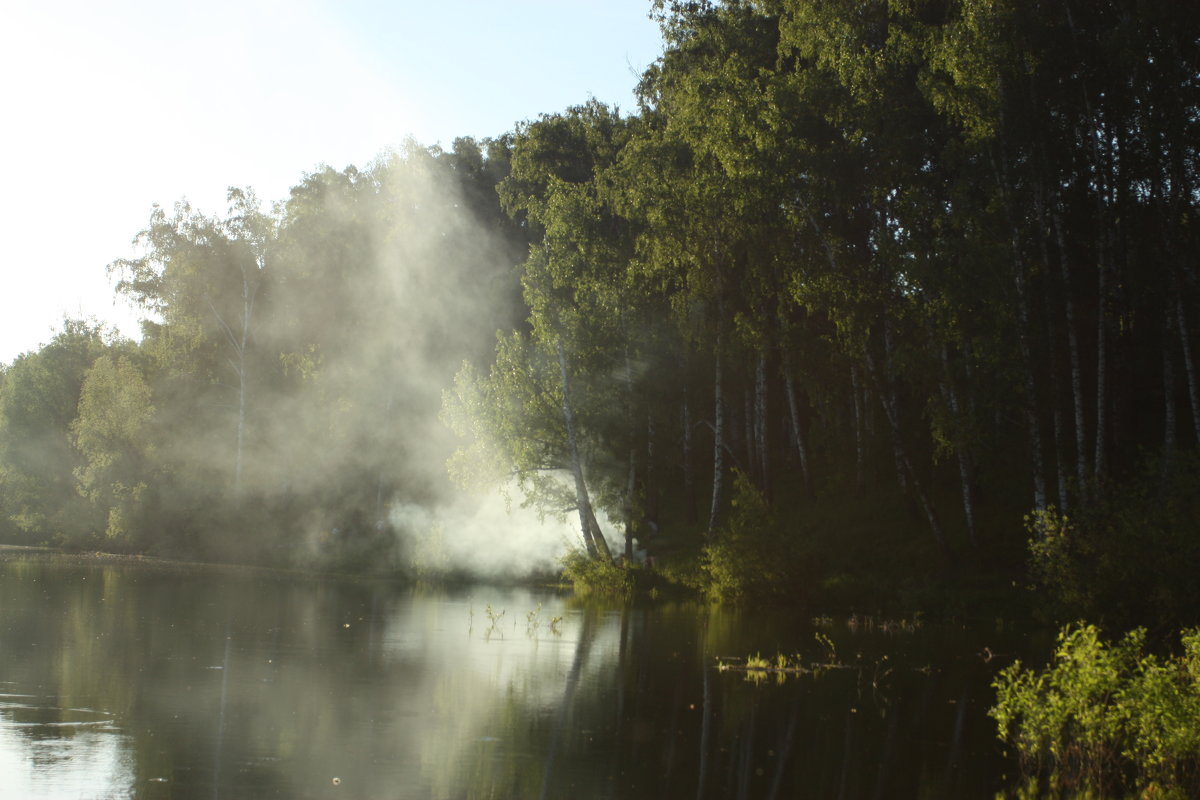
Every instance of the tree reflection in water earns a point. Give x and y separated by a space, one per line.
394 693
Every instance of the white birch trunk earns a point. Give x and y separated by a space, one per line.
593 537
1189 364
760 423
1064 260
718 442
798 433
239 343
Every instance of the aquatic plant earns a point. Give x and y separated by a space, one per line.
533 623
867 622
494 618
1106 718
830 648
758 669
599 576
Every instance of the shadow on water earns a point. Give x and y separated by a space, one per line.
563 722
133 682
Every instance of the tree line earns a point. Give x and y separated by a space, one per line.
848 250
931 255
288 379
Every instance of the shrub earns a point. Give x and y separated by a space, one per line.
598 575
1106 718
1130 558
750 557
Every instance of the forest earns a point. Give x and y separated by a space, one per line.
866 302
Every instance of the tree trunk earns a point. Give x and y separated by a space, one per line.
1031 412
887 396
1064 260
1098 460
630 505
650 479
1189 364
748 433
761 423
1168 380
1056 419
798 433
1102 178
241 428
593 537
239 342
965 465
1056 427
718 441
689 477
859 448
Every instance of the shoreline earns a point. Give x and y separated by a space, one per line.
98 557
48 554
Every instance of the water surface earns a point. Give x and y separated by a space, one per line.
152 682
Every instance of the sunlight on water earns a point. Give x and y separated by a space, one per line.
64 759
148 683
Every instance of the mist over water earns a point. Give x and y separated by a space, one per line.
283 403
401 277
154 681
484 536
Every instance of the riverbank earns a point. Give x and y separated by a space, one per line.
9 552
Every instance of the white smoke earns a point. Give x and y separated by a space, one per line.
488 536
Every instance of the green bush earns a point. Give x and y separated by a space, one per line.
1106 718
750 557
598 575
1130 557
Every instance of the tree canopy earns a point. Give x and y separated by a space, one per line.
934 258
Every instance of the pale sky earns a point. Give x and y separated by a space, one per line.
108 108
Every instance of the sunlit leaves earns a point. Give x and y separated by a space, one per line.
112 431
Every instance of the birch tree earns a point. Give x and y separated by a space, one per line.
198 280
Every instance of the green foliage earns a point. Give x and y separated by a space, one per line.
758 668
511 419
1106 718
111 431
750 557
38 401
426 553
599 576
1141 533
896 239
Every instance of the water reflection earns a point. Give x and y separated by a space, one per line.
130 681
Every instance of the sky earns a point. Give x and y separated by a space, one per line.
109 108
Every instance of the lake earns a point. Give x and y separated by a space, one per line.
152 681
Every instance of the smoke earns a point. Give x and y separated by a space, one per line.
387 281
485 536
293 363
